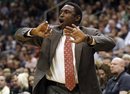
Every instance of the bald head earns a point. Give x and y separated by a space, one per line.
117 65
119 61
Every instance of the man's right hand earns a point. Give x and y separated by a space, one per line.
42 30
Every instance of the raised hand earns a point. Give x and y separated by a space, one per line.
75 32
43 30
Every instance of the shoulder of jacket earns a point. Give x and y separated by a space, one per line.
88 28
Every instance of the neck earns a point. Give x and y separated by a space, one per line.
63 26
1 88
119 72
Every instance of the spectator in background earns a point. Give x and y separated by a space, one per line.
127 39
104 74
23 81
120 82
31 82
110 26
126 58
19 83
126 16
1 71
15 86
30 62
10 43
4 89
123 32
120 45
7 74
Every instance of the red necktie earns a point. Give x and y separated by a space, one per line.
69 67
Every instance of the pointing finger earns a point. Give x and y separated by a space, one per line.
74 25
69 28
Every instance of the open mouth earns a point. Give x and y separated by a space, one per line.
61 20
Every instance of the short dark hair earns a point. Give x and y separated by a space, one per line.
78 10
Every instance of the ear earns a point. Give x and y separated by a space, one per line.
77 18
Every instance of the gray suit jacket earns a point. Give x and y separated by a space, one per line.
84 54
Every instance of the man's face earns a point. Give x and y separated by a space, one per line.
102 74
2 81
31 80
67 16
116 67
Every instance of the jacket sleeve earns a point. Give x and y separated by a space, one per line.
21 35
103 42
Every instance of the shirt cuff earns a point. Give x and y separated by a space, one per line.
93 42
29 33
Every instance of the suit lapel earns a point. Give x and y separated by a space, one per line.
78 50
54 41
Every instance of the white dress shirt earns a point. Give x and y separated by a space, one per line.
5 90
57 70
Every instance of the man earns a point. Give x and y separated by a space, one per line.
120 82
51 75
4 89
126 58
17 86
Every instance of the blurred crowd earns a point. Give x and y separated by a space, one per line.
18 61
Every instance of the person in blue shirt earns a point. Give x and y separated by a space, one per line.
120 82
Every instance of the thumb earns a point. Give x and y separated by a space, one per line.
43 26
77 40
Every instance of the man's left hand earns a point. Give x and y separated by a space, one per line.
75 32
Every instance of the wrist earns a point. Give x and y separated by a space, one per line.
88 39
33 31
